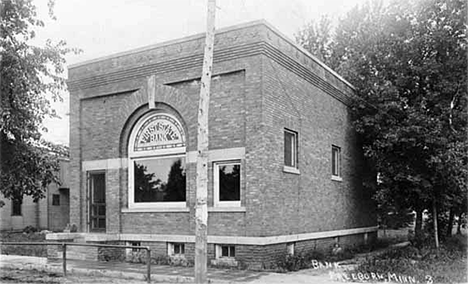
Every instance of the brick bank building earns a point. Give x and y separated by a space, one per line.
285 169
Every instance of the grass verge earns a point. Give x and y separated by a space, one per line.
425 264
29 250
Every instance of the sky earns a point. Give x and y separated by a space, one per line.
104 27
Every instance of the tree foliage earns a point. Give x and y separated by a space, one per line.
407 61
317 39
31 77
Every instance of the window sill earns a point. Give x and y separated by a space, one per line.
151 210
226 209
336 178
291 170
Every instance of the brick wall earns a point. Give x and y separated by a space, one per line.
56 217
32 214
262 84
299 203
256 257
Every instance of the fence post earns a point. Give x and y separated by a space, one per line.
64 259
148 264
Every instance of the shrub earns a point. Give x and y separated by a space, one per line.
291 262
160 260
298 261
29 250
445 265
29 229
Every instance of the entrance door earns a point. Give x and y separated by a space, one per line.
97 193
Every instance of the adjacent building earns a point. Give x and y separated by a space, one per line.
285 165
51 212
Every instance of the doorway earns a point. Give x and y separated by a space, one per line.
97 202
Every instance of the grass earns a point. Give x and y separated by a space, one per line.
445 265
304 260
29 250
40 276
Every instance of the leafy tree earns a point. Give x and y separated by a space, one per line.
176 183
229 178
146 185
30 77
407 61
149 188
316 38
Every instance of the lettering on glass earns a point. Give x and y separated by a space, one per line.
159 132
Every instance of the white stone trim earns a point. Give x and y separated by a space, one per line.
64 236
151 90
216 201
291 170
288 238
100 237
104 164
158 153
157 238
227 209
155 209
232 240
290 248
219 155
336 178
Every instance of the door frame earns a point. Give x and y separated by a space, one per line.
89 201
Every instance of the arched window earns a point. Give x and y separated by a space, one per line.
156 154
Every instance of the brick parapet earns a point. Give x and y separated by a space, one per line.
257 38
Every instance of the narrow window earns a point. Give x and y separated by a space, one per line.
290 148
227 184
16 207
227 251
290 247
336 162
179 249
135 244
176 249
55 199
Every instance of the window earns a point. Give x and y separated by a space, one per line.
290 148
290 152
290 247
336 162
227 184
159 180
16 205
157 163
176 249
135 244
131 253
55 199
225 251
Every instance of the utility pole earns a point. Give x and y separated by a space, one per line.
201 210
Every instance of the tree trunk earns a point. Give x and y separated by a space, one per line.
459 223
450 223
419 221
201 210
436 230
